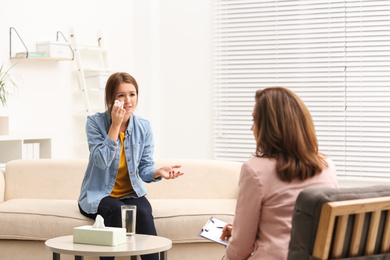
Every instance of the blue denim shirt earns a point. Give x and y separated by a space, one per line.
100 176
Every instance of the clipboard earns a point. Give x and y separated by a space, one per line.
212 230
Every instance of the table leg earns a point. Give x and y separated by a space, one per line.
163 255
133 257
78 257
56 256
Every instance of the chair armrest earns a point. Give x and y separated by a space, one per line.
2 186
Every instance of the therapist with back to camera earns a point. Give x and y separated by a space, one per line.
286 161
121 158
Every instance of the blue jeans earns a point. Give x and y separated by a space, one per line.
110 209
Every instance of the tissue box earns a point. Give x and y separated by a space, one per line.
54 49
107 236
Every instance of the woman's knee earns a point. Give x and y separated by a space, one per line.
110 210
144 211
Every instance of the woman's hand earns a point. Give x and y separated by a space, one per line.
168 172
117 114
227 231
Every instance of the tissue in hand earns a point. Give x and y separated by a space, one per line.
119 103
98 234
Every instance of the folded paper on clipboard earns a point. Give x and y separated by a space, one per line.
212 230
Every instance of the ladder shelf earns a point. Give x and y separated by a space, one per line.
98 70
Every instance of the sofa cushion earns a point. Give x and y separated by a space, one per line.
39 219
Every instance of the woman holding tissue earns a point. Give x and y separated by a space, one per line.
286 161
121 158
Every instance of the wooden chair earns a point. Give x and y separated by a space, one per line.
332 228
344 223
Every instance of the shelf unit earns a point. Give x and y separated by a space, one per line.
97 56
12 29
14 148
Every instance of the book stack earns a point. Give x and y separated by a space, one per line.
30 54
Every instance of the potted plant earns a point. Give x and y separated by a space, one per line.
6 82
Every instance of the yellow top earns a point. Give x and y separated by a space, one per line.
122 185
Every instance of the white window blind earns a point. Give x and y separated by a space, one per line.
334 54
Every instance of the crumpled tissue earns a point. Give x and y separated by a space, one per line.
99 234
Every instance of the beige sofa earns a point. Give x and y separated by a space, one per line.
38 201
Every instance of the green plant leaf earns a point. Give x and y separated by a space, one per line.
5 82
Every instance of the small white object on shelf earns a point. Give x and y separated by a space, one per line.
54 49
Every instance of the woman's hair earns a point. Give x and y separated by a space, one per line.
112 85
285 131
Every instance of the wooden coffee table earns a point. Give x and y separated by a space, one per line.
135 245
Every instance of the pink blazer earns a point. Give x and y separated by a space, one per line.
262 224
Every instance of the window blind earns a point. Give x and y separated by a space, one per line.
334 54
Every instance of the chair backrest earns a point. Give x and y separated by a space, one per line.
341 224
335 217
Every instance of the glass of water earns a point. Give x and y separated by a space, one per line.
129 215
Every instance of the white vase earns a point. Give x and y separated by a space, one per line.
4 125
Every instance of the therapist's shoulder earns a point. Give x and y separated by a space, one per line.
260 163
258 166
329 164
330 167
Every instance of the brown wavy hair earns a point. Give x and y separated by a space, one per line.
285 131
112 85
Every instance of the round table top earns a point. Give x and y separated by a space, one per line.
135 245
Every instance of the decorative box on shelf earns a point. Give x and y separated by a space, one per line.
54 49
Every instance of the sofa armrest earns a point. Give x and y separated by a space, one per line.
2 186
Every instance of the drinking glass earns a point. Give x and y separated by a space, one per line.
129 215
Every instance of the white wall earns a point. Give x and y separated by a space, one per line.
166 45
175 39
